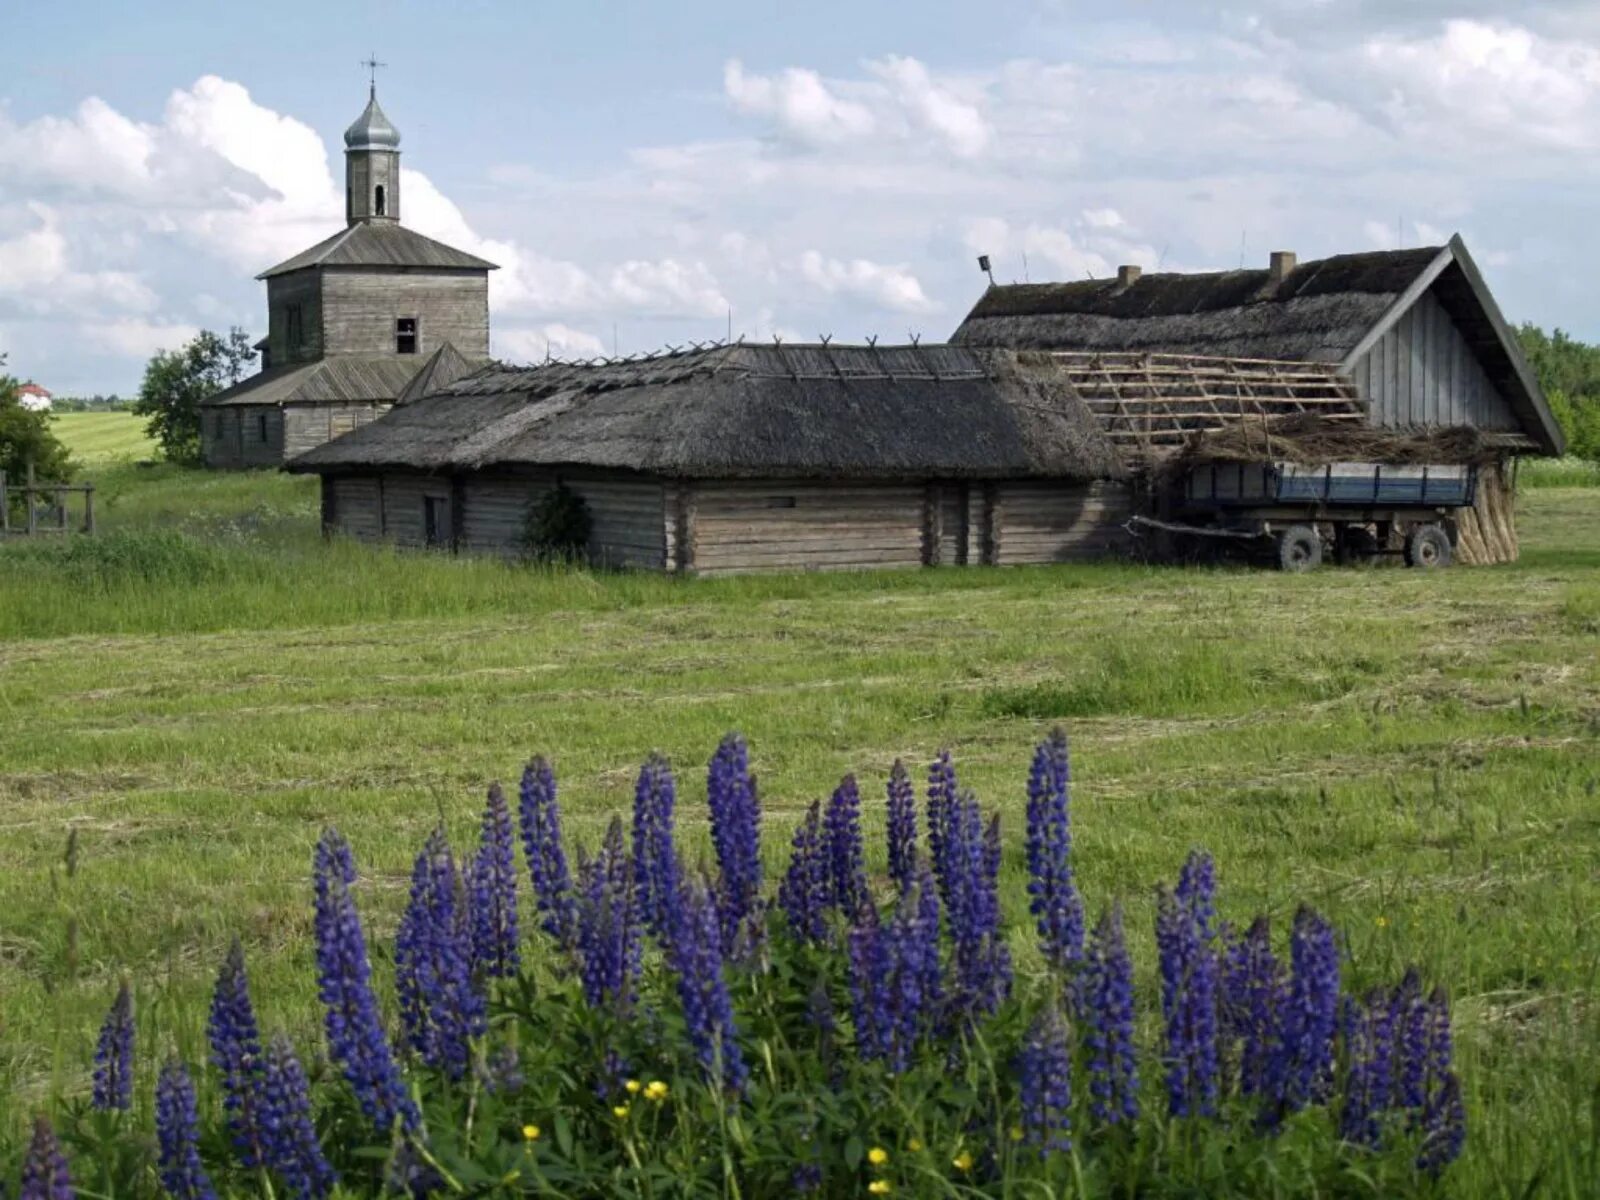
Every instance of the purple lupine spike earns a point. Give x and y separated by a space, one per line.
1197 891
1248 1005
942 813
113 1056
803 894
1044 1071
736 835
177 1136
356 1039
1189 1006
1444 1127
292 1148
869 986
1310 1016
493 893
696 957
1369 1048
608 926
902 827
982 960
1411 1036
841 838
44 1168
895 976
540 814
1107 1006
236 1054
1053 896
655 860
440 1011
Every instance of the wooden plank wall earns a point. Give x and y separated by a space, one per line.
782 526
1423 372
309 425
1048 521
231 436
357 506
628 515
403 494
298 287
360 309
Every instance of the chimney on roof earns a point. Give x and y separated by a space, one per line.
1128 274
1281 264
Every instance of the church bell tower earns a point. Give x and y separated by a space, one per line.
371 167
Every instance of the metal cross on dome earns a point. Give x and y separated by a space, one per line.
372 64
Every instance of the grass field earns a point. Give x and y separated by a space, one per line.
200 691
99 437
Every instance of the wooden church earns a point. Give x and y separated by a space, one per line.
357 322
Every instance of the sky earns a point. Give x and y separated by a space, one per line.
648 174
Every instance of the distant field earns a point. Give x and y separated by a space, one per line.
98 437
200 691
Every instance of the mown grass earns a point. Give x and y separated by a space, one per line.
100 437
1419 755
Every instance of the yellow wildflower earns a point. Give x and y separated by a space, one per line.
620 1111
962 1161
530 1133
1016 1133
880 1187
1382 922
877 1156
633 1087
655 1090
914 1145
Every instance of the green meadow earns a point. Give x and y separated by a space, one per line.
193 695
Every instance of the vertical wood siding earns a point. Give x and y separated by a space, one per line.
232 437
305 289
309 425
357 506
781 526
360 309
1048 521
1423 372
403 512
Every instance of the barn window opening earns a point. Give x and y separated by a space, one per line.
377 203
261 427
436 520
293 326
405 335
780 502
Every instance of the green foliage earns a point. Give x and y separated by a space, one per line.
558 527
1569 372
177 381
27 437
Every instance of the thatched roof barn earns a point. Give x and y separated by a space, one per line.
740 457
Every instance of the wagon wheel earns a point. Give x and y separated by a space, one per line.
1299 549
1428 548
1358 545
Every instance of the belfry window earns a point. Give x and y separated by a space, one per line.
377 200
405 335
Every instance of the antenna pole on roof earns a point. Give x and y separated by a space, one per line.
983 265
1241 249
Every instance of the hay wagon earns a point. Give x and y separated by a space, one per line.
1297 512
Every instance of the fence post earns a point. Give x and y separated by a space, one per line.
28 502
88 508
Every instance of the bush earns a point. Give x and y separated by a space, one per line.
669 1031
26 438
558 526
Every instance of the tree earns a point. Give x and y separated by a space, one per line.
1569 373
26 437
176 381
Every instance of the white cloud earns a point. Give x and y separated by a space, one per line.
134 338
889 287
934 107
36 272
801 105
546 341
670 285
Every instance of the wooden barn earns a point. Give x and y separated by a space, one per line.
745 457
1413 337
375 312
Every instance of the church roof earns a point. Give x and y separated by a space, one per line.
342 380
380 244
372 130
444 366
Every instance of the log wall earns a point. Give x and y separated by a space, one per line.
1048 521
360 308
783 526
235 436
307 426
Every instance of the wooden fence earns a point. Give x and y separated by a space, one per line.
48 517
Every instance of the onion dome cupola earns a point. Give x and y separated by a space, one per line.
372 166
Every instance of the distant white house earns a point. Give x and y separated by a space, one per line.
34 398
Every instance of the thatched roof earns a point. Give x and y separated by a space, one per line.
380 244
803 411
341 380
1313 439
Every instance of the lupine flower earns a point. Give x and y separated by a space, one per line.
608 926
895 976
1310 1015
177 1136
1412 1020
803 895
1044 1070
902 826
696 957
113 1056
540 815
841 838
655 861
1252 985
1106 1000
942 814
292 1147
982 960
1444 1127
440 1010
1053 896
1197 891
1369 1046
44 1167
1189 1006
493 893
736 835
236 1054
344 984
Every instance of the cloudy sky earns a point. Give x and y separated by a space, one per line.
643 170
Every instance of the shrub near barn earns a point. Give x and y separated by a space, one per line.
673 1029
